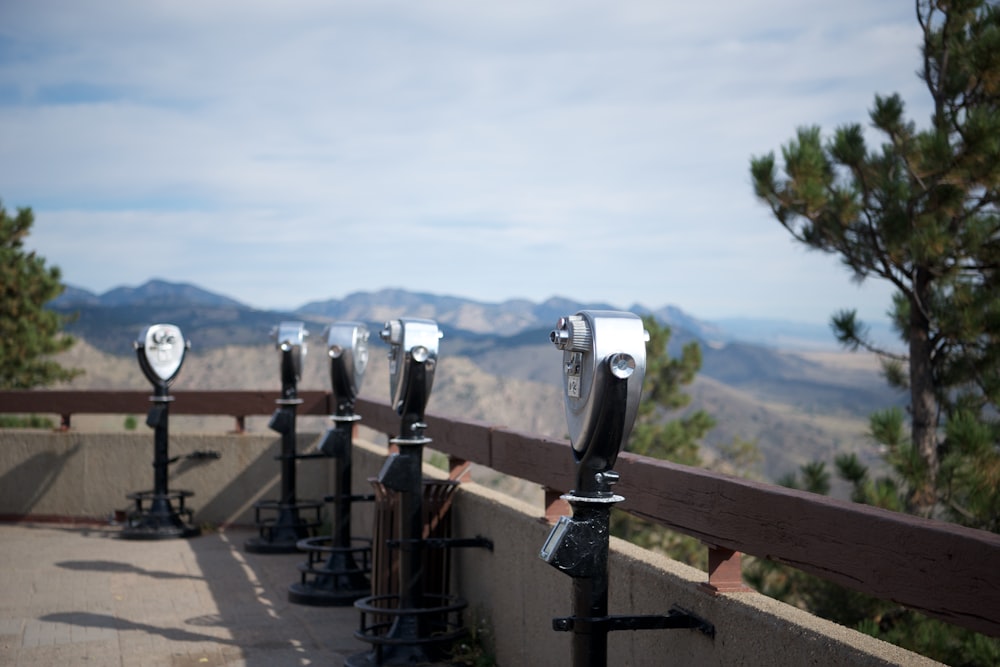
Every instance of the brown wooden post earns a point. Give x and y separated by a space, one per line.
725 572
64 421
459 469
555 506
241 424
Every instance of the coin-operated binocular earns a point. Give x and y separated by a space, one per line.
341 579
422 625
604 363
280 523
161 349
413 355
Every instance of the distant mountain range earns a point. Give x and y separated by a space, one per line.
159 292
504 319
502 338
498 365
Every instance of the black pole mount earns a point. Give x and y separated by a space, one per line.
338 566
675 619
477 542
283 522
160 513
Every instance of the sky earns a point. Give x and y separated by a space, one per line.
283 153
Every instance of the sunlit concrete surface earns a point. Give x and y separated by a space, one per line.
79 595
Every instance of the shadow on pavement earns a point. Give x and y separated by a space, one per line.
116 566
251 593
104 621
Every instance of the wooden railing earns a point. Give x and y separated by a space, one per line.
943 570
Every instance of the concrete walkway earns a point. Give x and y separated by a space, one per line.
72 595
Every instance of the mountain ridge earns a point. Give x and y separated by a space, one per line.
797 406
516 348
507 317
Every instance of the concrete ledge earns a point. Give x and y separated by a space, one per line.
88 475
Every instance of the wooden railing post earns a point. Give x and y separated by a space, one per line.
555 506
459 469
725 572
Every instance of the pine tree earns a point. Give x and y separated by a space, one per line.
653 435
657 436
921 211
29 333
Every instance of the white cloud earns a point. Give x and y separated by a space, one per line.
511 149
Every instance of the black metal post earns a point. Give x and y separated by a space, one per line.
289 527
411 509
159 520
341 530
281 534
160 415
161 436
409 639
340 580
590 594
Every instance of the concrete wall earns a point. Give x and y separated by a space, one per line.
510 591
88 475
